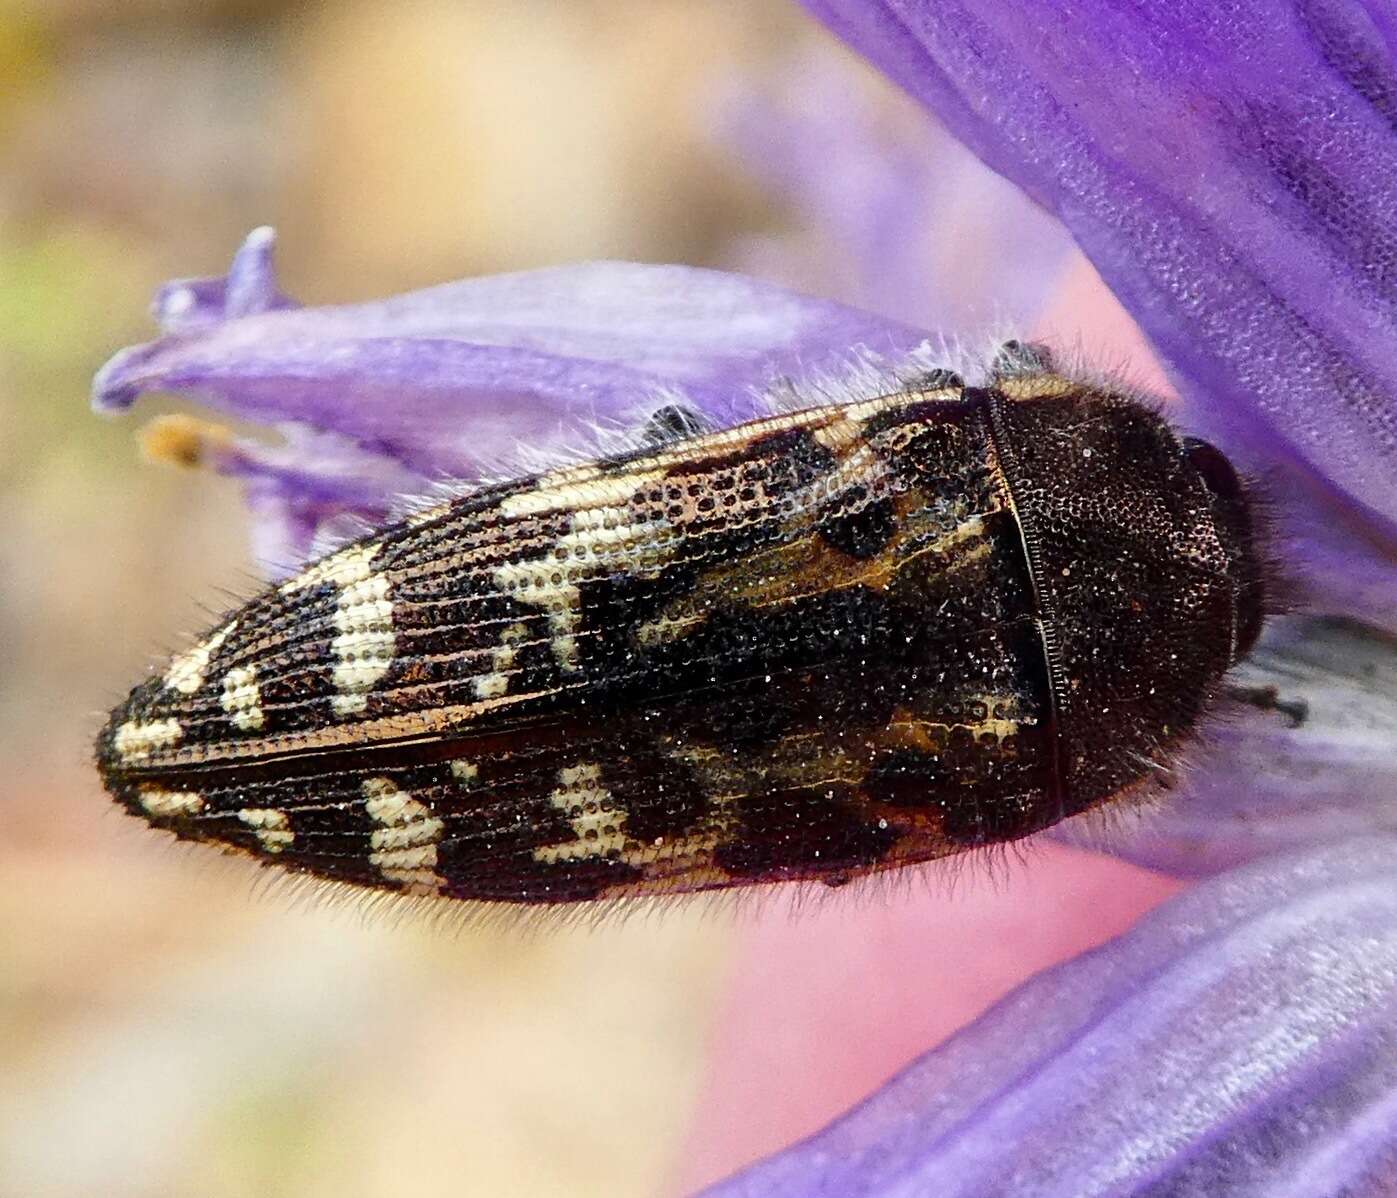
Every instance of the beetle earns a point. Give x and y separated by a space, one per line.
818 645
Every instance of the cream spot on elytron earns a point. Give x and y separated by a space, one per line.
404 845
464 771
839 434
187 671
344 568
167 804
242 699
553 587
596 819
613 536
496 682
135 741
273 827
576 497
601 539
364 647
427 514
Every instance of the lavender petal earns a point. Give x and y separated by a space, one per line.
299 491
250 286
1329 560
1242 1039
449 381
877 188
1230 169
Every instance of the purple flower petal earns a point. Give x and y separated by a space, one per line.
249 287
1230 169
448 381
1320 766
298 490
1326 557
1241 1039
879 191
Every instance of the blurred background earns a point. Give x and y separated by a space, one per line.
171 1021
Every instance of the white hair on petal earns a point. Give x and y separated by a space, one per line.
863 374
866 375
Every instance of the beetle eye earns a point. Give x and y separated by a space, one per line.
1213 468
1231 510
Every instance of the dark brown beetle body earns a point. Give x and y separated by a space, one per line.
811 647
